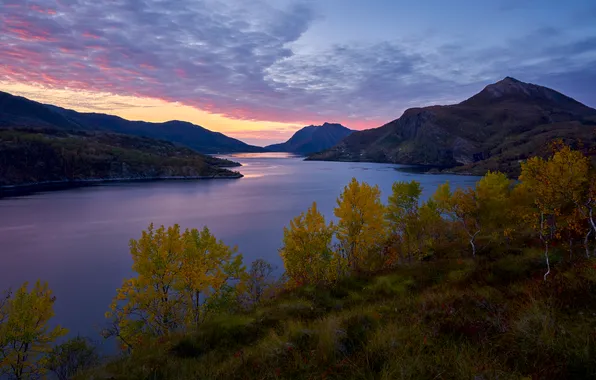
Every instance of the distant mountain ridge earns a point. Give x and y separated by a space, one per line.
312 139
16 111
506 122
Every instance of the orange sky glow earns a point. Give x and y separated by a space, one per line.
155 110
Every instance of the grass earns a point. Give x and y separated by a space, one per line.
448 319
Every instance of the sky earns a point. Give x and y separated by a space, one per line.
259 70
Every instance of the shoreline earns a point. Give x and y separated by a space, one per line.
31 188
408 168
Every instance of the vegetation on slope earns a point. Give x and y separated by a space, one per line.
33 156
492 282
490 318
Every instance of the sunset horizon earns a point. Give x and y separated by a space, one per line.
260 72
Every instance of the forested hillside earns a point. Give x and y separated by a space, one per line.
34 157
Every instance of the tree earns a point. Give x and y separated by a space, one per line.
430 228
25 336
480 209
403 217
176 273
493 193
207 266
71 357
306 252
461 207
585 204
465 208
258 280
361 226
556 186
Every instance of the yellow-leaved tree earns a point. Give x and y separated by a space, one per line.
586 206
480 209
207 266
361 227
493 194
176 272
430 228
307 253
25 337
403 216
462 207
556 187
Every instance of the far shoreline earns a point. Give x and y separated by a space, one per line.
32 188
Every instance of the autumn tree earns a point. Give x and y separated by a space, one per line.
176 272
403 216
361 225
25 337
430 227
556 186
71 358
306 252
482 209
586 206
461 207
207 266
493 193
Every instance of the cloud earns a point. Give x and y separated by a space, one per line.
236 58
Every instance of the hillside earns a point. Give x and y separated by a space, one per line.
17 111
506 122
451 319
312 139
33 158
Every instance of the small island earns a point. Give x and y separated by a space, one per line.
42 159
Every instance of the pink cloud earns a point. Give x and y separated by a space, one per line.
37 8
91 35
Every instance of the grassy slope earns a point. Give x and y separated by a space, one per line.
449 319
33 156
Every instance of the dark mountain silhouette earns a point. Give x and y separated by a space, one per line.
312 139
506 122
16 111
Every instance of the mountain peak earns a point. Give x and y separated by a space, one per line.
313 138
327 124
508 86
510 79
511 89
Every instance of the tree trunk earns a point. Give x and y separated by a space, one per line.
547 262
591 219
587 243
472 239
545 241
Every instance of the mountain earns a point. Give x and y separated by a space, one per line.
36 158
312 139
16 111
506 122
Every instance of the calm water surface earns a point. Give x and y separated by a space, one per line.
77 239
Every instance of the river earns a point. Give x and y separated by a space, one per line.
77 239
